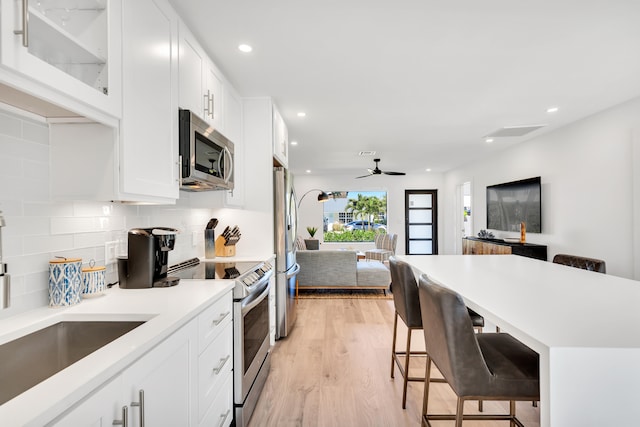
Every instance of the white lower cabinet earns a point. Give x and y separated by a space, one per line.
215 362
156 387
186 380
220 414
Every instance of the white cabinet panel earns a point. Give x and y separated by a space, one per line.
280 139
149 148
233 131
213 111
191 66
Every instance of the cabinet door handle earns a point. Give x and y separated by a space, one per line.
25 24
140 403
124 422
179 169
224 417
221 365
207 104
211 106
219 320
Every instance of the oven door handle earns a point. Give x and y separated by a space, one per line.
246 307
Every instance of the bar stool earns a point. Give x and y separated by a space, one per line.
407 306
489 366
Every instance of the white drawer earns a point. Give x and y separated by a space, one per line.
220 414
214 364
213 320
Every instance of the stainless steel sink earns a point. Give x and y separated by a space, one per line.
31 359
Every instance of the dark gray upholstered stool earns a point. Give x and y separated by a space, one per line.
407 304
487 366
591 264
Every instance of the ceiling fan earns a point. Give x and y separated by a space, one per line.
377 171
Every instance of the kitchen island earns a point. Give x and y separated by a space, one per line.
582 324
167 312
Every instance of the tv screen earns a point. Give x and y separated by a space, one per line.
511 203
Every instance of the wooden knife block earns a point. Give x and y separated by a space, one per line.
222 250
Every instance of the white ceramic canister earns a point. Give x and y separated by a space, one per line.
65 281
93 283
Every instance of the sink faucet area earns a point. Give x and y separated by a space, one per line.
31 359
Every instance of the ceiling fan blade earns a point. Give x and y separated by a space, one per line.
364 176
393 173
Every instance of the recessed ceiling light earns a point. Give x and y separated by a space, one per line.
552 109
308 170
245 48
302 114
294 142
428 169
488 140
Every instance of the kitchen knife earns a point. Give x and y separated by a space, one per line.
212 224
225 232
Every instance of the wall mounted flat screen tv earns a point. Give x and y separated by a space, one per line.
511 203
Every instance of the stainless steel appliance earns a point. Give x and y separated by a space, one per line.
251 350
5 280
286 229
206 156
146 264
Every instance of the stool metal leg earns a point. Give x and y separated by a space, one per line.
393 345
406 370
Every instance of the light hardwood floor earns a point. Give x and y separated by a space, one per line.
334 370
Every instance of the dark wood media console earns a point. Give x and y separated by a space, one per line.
477 246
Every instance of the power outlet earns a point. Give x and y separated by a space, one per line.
110 250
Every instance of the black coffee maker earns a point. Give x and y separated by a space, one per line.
146 264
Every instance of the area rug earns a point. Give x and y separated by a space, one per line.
343 293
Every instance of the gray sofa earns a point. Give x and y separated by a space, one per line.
340 269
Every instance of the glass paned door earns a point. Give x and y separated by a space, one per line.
421 215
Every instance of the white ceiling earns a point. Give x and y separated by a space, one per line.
420 82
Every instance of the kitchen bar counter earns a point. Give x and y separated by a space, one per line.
165 310
583 324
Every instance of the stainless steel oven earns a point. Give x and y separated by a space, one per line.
251 358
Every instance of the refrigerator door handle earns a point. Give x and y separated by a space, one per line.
295 271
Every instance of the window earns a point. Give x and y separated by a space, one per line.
354 216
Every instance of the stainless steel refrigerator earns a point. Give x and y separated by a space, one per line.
286 230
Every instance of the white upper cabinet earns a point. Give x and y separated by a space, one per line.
280 139
233 129
149 128
201 85
72 48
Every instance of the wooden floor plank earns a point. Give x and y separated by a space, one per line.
334 370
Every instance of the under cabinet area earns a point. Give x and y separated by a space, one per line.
73 48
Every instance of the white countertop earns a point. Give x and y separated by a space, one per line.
165 311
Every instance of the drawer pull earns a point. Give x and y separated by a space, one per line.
221 318
224 417
124 422
221 365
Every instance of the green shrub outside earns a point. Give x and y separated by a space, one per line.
350 236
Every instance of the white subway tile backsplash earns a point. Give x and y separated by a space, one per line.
36 170
83 240
35 132
23 226
10 125
72 225
47 209
10 167
58 245
36 282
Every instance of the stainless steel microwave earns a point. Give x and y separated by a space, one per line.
206 156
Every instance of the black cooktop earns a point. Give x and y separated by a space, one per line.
214 270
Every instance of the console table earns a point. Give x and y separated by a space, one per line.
589 372
477 246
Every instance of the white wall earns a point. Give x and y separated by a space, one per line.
587 187
310 211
